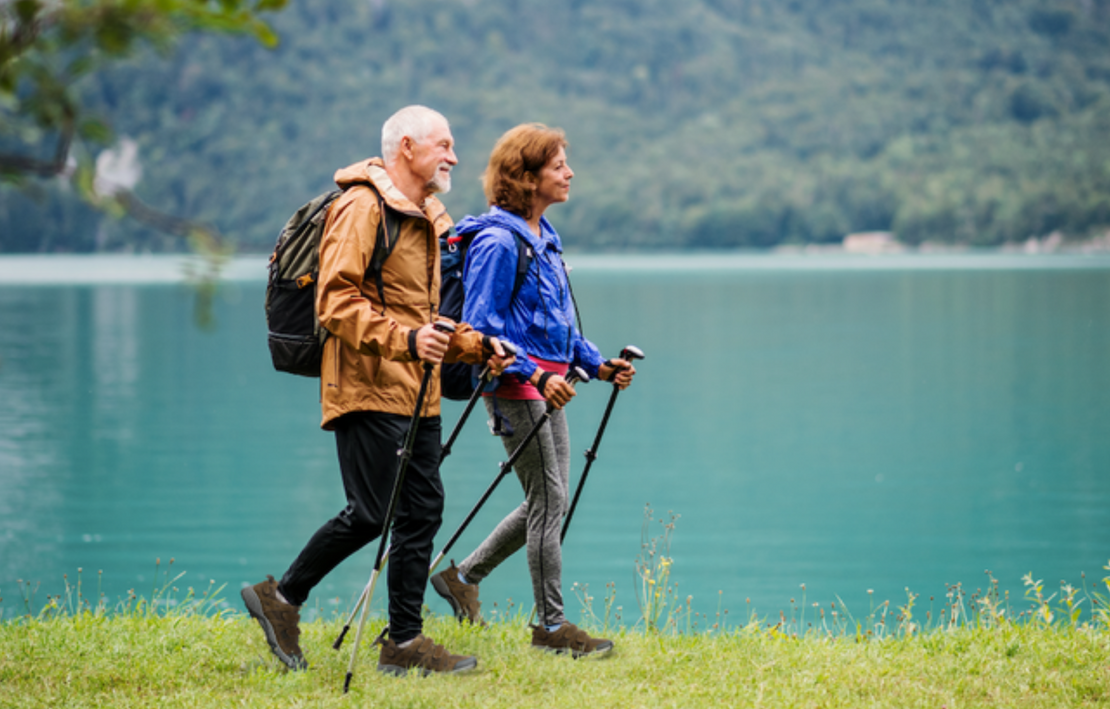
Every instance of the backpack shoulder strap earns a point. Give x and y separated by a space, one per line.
384 241
524 256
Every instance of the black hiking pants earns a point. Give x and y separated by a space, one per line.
368 443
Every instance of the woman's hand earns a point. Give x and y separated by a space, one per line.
556 390
618 371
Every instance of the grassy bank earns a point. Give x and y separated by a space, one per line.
980 648
196 661
977 650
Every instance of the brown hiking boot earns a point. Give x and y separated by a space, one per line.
423 655
463 597
279 621
569 638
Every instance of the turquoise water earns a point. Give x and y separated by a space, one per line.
849 424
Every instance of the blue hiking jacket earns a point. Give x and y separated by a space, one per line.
540 321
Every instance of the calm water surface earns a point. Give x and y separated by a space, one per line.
847 424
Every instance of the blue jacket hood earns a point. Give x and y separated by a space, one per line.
503 219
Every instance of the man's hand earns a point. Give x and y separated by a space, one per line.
499 360
618 371
431 344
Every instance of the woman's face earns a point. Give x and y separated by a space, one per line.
554 181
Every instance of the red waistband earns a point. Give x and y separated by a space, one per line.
513 388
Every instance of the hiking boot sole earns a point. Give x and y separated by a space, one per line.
441 588
599 650
254 606
466 665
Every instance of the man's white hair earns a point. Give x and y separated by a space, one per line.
416 122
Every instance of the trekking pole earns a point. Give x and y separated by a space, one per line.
629 353
405 454
577 374
483 379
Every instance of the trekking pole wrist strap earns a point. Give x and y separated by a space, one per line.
541 385
613 369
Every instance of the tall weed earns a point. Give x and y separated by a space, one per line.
165 599
662 610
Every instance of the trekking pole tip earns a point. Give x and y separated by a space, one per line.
339 641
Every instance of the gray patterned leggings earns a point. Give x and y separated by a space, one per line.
544 472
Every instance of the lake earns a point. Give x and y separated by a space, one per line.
858 425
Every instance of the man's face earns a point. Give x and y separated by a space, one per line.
433 158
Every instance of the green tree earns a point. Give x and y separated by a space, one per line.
47 46
707 123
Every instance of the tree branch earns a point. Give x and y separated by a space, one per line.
23 165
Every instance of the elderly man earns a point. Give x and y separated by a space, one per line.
382 331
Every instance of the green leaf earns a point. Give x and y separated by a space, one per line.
264 34
27 10
80 66
94 130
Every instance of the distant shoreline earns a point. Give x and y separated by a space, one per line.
124 269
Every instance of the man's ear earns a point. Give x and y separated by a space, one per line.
406 147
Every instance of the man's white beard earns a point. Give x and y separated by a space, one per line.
441 183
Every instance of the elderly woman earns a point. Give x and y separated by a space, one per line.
527 173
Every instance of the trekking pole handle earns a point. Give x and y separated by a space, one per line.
447 328
483 376
631 352
572 377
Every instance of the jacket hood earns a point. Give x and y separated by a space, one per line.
502 219
373 170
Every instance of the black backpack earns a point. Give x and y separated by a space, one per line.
296 338
457 379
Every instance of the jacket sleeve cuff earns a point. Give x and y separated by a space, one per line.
412 345
591 368
466 346
523 367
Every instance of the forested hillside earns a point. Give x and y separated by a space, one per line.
700 123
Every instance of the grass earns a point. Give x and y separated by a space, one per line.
976 650
190 660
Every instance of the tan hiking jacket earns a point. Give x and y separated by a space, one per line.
368 364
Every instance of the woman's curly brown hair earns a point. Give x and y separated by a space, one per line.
514 165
